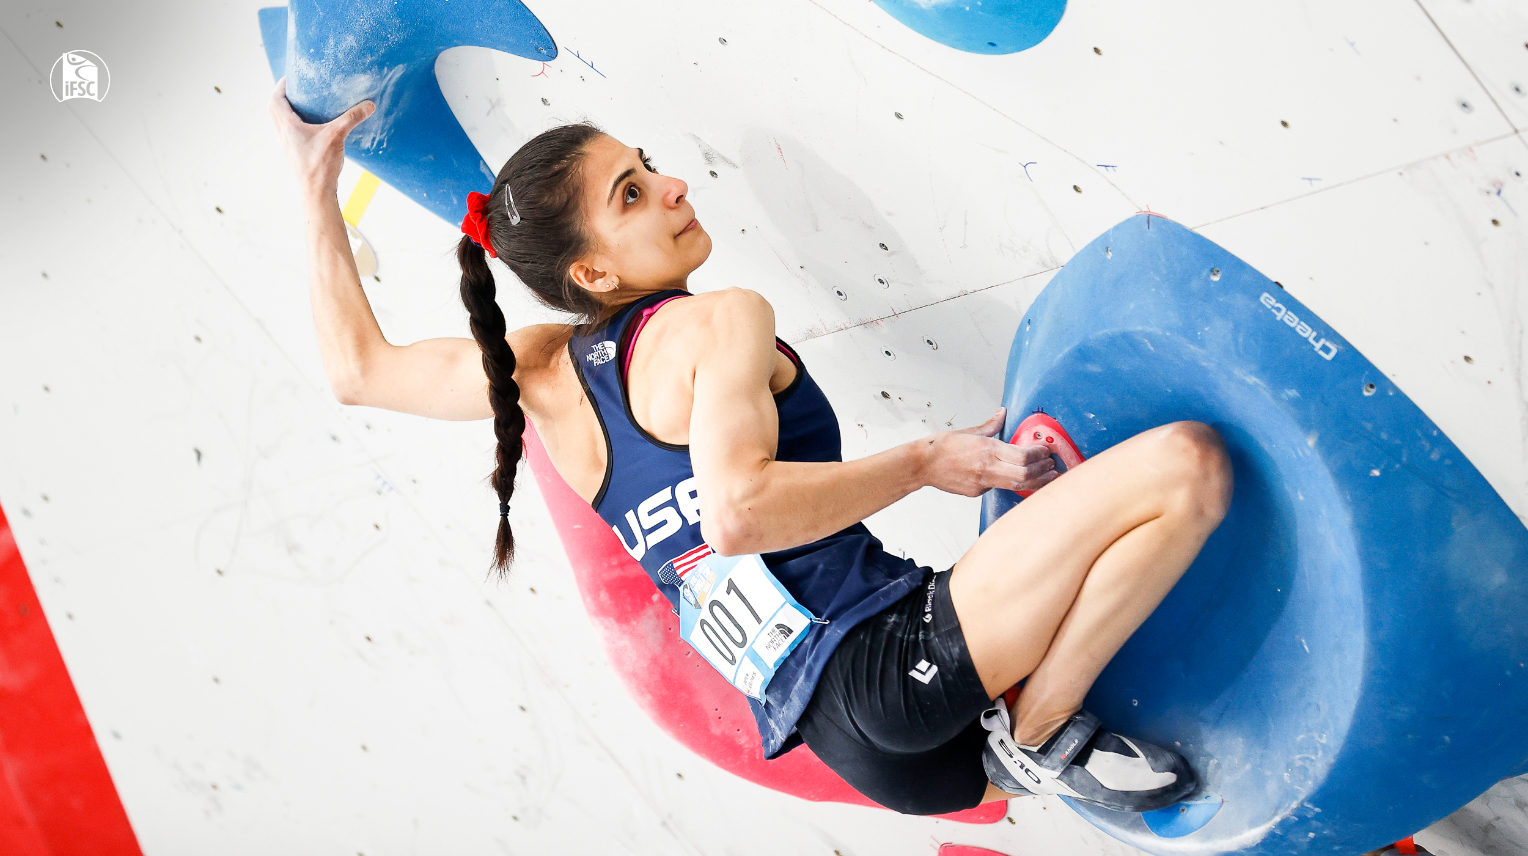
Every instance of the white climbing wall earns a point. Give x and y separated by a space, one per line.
275 608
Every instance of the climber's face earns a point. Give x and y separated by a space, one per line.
645 234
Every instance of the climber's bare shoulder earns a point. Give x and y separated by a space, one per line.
555 404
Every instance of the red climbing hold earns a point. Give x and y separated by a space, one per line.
1039 429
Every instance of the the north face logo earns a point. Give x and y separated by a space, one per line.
601 353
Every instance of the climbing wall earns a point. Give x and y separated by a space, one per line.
274 610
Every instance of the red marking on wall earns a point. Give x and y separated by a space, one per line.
56 796
1150 214
669 681
966 850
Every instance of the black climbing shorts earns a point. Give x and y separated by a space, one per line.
896 710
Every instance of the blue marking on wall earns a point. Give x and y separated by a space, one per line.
336 55
979 26
1344 662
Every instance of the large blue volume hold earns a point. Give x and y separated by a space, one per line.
335 55
1344 663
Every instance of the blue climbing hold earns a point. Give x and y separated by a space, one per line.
979 26
1186 817
336 55
1344 662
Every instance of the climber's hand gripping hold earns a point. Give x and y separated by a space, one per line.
973 460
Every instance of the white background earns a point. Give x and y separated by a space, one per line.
275 608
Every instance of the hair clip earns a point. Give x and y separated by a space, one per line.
509 205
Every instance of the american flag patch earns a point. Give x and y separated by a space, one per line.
686 562
673 572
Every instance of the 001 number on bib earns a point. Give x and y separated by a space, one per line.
738 616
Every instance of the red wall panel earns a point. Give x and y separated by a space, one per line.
56 796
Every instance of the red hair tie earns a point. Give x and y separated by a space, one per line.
475 224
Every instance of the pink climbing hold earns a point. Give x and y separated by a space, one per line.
1039 429
966 850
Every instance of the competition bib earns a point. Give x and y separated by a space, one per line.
738 616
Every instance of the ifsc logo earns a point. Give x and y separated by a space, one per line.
79 74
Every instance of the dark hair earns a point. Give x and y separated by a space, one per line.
539 241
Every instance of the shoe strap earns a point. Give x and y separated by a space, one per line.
1073 736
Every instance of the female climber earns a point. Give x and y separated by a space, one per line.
701 439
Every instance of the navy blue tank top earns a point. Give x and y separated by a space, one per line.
649 498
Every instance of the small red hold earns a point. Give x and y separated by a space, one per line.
1046 430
